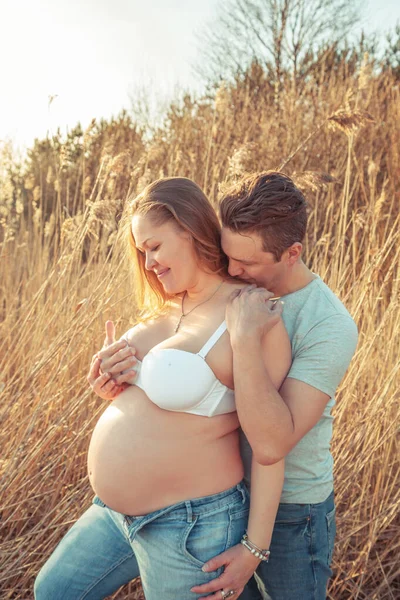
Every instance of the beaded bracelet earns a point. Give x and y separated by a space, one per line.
258 552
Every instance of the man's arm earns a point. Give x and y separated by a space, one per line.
266 488
276 424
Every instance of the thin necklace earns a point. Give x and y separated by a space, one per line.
197 305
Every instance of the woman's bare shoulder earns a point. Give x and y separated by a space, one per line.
135 333
132 332
231 286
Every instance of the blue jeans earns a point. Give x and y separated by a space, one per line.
105 549
301 553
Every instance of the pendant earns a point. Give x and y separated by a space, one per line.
179 323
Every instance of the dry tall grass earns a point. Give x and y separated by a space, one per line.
63 273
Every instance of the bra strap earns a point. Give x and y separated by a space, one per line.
213 340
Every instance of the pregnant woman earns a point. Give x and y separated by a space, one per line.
164 458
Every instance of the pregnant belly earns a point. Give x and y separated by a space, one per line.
142 458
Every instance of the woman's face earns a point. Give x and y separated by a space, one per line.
168 252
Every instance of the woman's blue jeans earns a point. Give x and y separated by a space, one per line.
105 549
301 553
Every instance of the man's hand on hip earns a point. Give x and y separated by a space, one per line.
239 566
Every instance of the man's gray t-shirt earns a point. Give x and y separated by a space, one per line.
323 337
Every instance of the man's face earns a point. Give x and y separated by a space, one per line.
250 262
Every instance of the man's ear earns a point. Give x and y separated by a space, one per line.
293 253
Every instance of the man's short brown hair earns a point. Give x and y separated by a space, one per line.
269 204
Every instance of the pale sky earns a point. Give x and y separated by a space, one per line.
92 53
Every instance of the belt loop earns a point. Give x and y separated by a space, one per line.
240 487
128 520
189 511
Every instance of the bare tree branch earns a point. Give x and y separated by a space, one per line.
282 35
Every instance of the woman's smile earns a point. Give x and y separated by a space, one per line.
162 272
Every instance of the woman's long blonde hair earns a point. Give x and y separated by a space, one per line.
180 200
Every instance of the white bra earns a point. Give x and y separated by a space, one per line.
181 381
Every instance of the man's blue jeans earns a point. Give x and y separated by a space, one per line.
301 553
105 549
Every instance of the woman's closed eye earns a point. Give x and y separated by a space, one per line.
150 249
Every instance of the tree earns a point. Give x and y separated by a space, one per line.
284 36
392 51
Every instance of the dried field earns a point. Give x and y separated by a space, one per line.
63 272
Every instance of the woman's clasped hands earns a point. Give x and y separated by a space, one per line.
112 369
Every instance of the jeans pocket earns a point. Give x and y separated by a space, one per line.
301 520
205 537
330 519
239 517
292 529
293 514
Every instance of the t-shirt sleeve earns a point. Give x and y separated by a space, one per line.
325 353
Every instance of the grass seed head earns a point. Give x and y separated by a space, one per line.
349 121
312 180
365 74
241 160
222 99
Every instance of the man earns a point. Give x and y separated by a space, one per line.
264 223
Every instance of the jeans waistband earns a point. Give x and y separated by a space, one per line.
292 511
186 509
205 504
221 499
189 510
